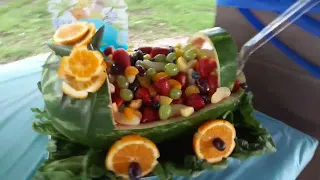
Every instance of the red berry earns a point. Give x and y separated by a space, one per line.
195 100
109 50
236 86
213 84
158 50
117 99
156 98
206 66
178 101
146 50
162 86
121 58
182 78
143 93
149 115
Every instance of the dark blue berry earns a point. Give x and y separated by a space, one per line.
134 86
219 144
174 61
134 171
171 49
156 105
133 60
141 70
205 98
139 55
195 75
203 86
117 69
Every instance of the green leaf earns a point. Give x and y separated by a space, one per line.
228 116
96 40
60 50
39 86
94 166
54 175
161 173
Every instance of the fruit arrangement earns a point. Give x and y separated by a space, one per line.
126 113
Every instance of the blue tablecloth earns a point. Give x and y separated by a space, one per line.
22 150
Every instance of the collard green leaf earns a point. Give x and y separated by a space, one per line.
55 175
96 40
161 173
60 50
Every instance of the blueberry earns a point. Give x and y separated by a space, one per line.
134 171
134 86
141 70
203 86
171 49
205 98
117 69
174 61
133 59
156 105
139 55
219 144
195 75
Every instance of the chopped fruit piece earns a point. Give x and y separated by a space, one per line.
221 93
175 93
206 99
134 86
203 86
122 82
160 58
139 55
159 76
176 109
122 58
236 86
135 104
147 57
84 64
116 69
71 33
165 100
182 78
179 52
158 50
88 37
138 113
213 84
178 101
121 118
158 66
144 81
112 89
206 66
192 64
141 70
171 49
192 89
149 115
178 45
195 75
155 105
143 93
191 81
108 51
133 59
214 140
90 86
187 47
195 100
126 94
151 72
117 99
132 149
114 107
129 113
186 111
162 86
190 54
131 73
152 91
61 71
139 62
182 64
156 98
174 84
68 90
171 56
146 50
165 112
171 69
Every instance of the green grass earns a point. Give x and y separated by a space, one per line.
26 24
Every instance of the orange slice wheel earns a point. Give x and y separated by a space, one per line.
84 64
214 140
132 153
70 91
88 37
71 33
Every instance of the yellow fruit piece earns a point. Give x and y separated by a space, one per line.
61 71
130 50
192 89
144 81
71 33
182 64
92 85
165 100
147 57
207 133
179 52
68 90
131 73
174 84
159 76
84 64
122 119
186 111
138 113
135 104
178 46
129 149
152 91
88 37
129 113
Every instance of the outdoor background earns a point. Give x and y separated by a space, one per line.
26 24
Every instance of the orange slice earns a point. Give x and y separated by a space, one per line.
70 91
84 64
214 140
71 33
88 37
132 149
61 71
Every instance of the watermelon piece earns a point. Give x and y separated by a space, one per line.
90 121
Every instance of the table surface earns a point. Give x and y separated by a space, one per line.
22 150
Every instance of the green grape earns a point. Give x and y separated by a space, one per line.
151 72
160 58
147 56
187 47
171 69
126 94
175 93
139 62
190 54
165 111
171 56
122 82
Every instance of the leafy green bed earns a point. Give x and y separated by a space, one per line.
68 160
